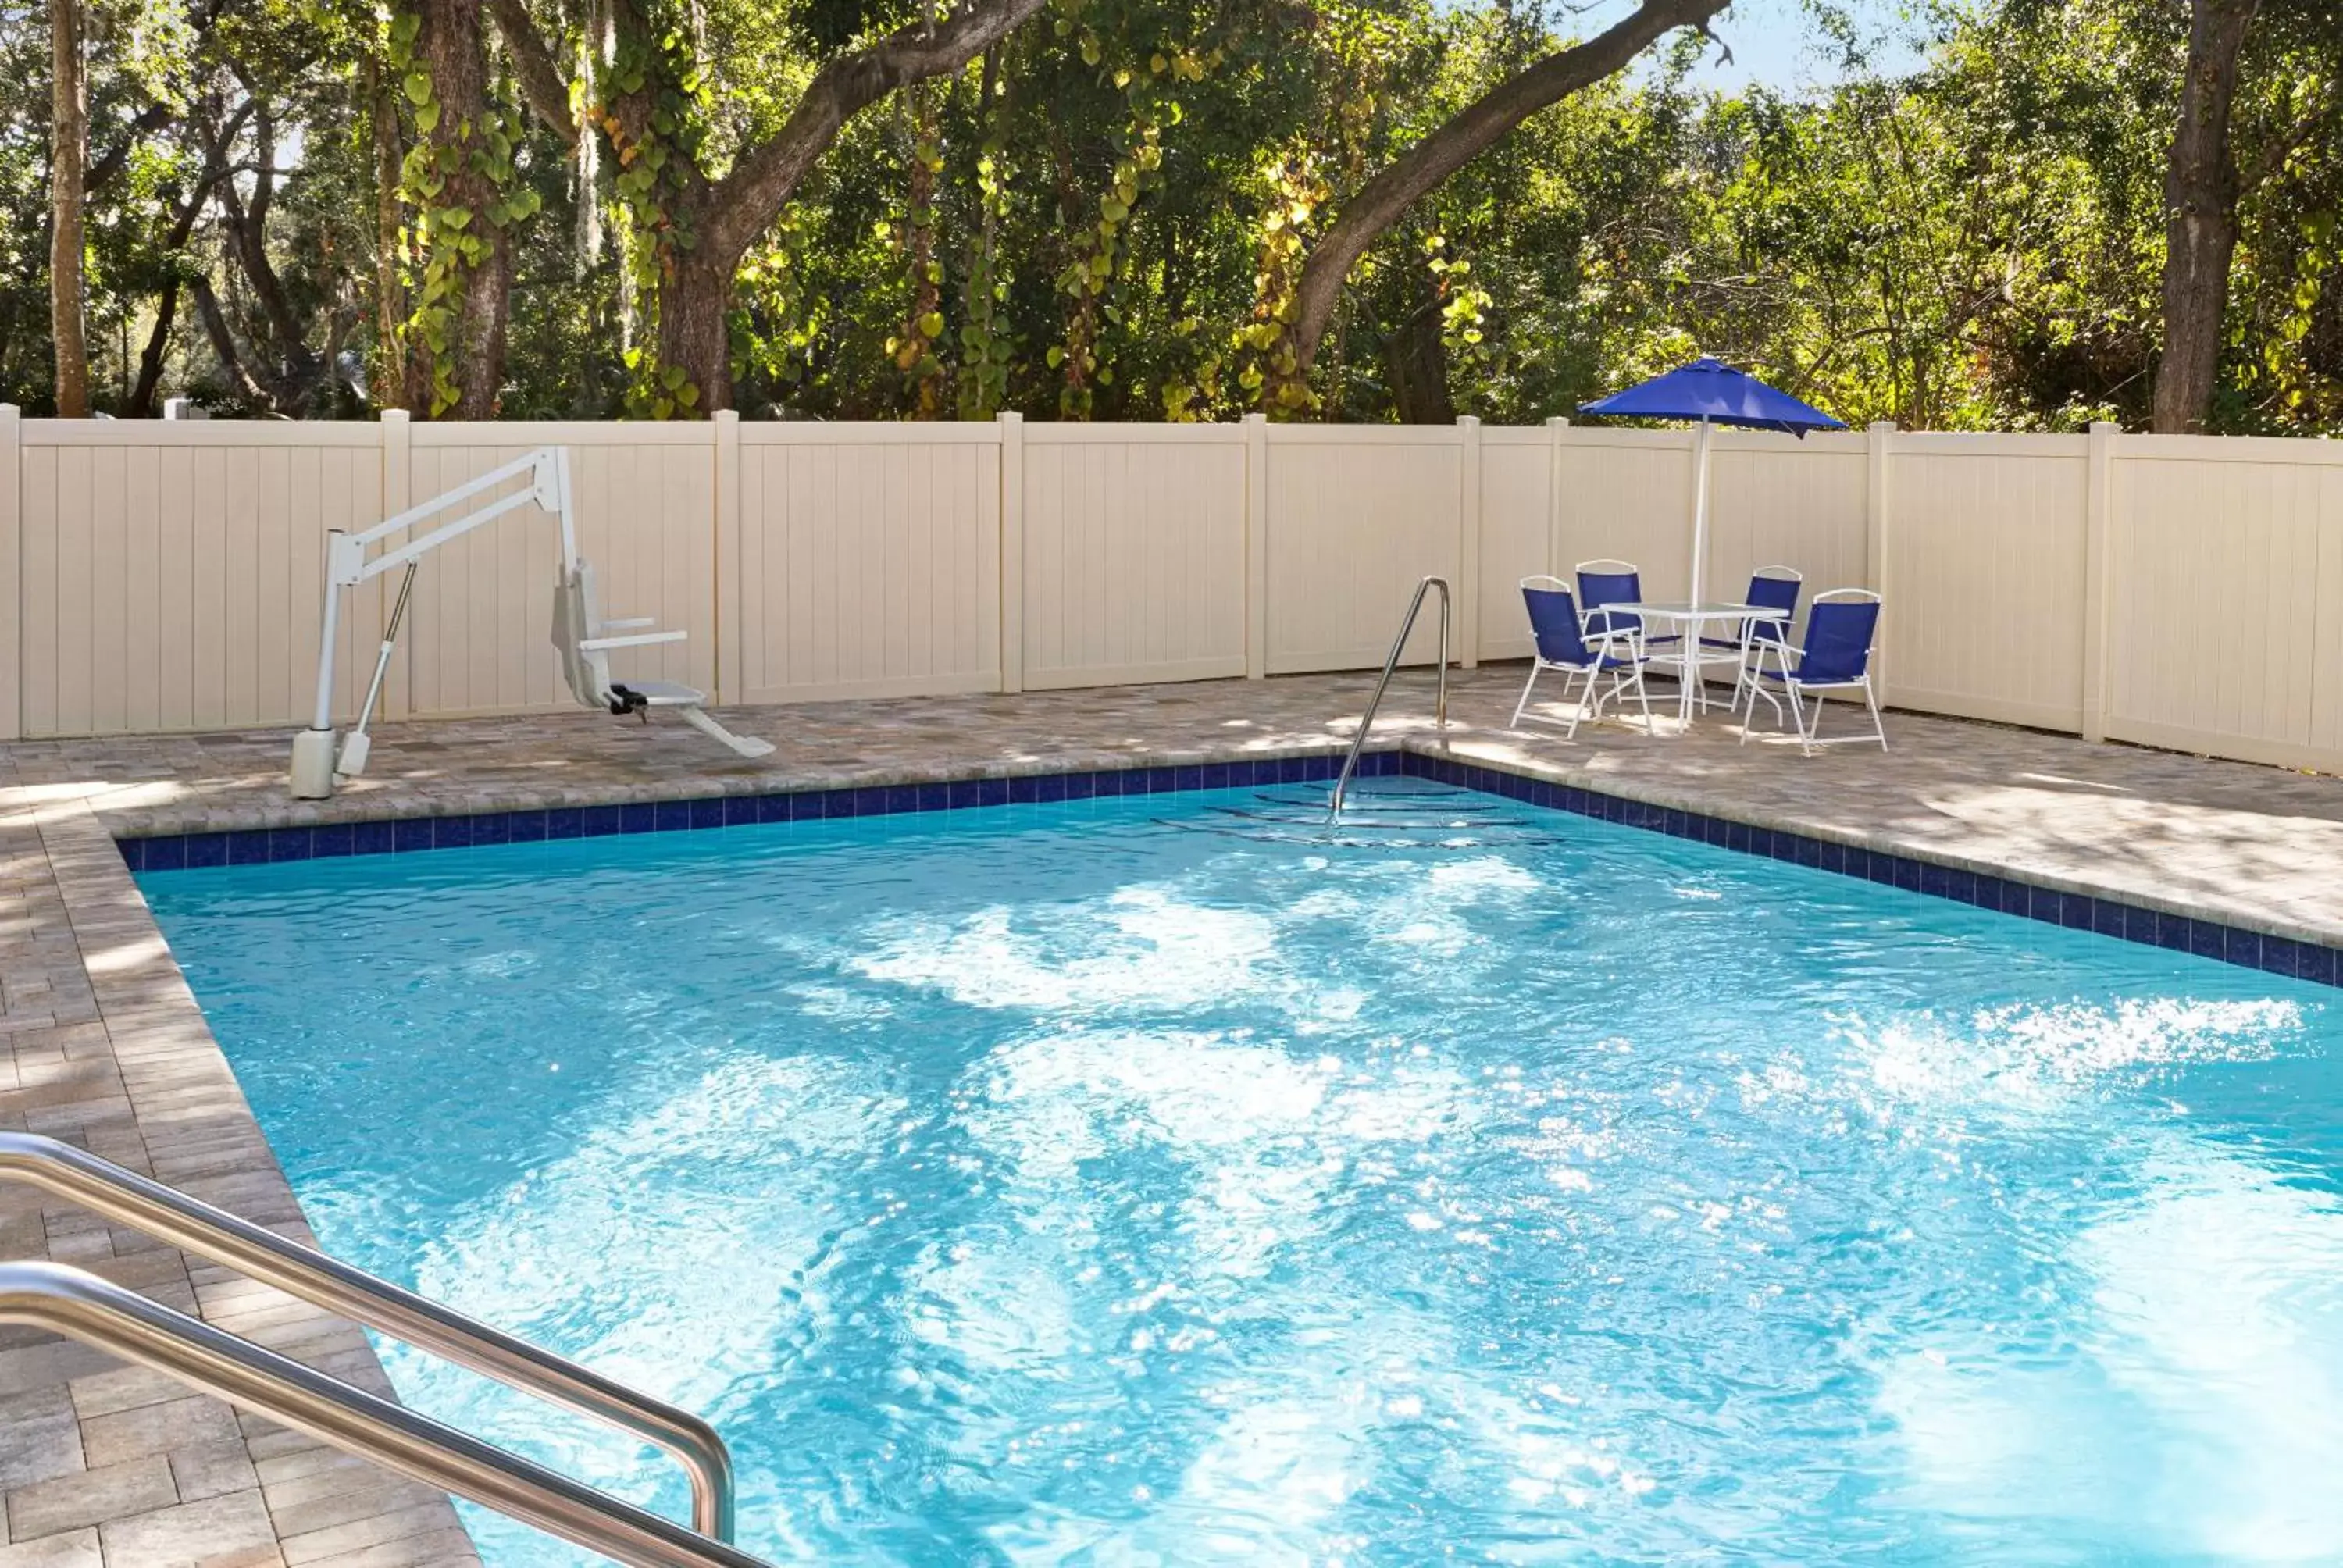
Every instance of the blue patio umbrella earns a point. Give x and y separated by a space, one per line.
1713 393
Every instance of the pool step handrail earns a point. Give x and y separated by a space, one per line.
1391 663
106 1316
172 1217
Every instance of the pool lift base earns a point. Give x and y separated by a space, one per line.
321 756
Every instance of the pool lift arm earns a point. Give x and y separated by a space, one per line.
316 759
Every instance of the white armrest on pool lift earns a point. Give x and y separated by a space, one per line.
641 640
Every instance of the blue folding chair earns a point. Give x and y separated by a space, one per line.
1605 583
1841 629
1565 645
1775 589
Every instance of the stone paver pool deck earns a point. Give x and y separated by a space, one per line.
102 1044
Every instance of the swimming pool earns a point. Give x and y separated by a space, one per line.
1148 1181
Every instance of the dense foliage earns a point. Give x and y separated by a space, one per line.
1102 215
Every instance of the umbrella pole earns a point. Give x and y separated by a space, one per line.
1700 508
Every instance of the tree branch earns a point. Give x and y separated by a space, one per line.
542 85
2273 156
736 209
222 341
116 158
1479 126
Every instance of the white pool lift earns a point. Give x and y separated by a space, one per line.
583 638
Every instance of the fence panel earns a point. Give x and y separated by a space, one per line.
1355 517
1516 533
869 560
1985 577
1134 554
1774 500
2226 599
479 630
1626 495
173 575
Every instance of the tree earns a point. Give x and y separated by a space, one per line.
2200 198
1376 205
461 178
68 152
699 226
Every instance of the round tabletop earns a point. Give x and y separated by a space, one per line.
1683 611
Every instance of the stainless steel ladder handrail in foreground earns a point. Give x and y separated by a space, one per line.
73 1303
171 1216
1367 720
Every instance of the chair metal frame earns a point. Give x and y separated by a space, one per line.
1796 686
1745 678
1599 646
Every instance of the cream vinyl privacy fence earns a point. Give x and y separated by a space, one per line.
160 577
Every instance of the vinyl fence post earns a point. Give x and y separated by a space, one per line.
1466 589
1256 444
726 432
2098 518
12 587
1881 438
1012 552
1556 433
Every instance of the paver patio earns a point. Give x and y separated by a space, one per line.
101 1042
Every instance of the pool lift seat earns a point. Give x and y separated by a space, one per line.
584 639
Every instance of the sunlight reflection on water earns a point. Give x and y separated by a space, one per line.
1071 1186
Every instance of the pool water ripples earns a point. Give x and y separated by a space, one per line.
1121 1184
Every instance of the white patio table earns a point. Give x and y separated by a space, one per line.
1690 621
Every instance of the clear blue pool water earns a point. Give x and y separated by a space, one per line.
1151 1183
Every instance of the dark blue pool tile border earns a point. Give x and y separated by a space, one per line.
2108 917
259 846
2080 911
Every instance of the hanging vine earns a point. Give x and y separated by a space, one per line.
653 151
448 233
987 345
1298 182
1149 77
913 347
1270 362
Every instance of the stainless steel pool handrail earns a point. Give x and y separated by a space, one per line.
1391 663
170 1216
70 1301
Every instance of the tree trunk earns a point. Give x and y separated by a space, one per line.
140 404
1369 214
68 153
223 342
462 380
295 370
2200 222
694 302
1415 358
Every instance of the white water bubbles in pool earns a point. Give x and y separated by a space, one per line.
2035 1056
1138 948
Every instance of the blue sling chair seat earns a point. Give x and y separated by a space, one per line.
1604 583
1770 587
1841 628
1564 644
